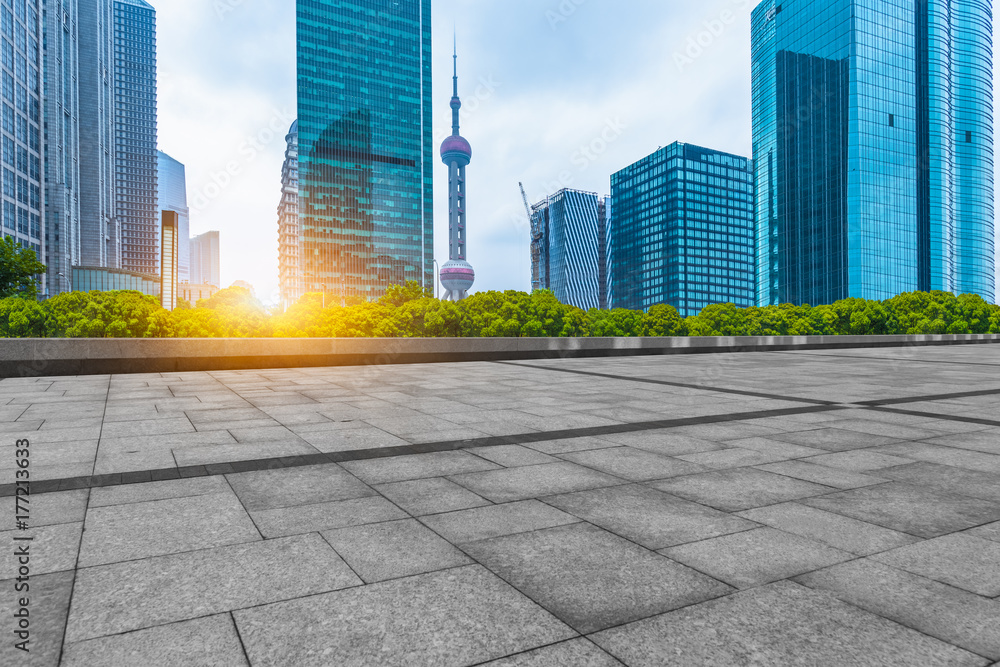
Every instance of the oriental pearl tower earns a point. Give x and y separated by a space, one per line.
457 275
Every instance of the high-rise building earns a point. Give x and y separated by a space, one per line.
20 100
873 148
289 227
566 253
168 259
100 231
682 231
365 144
171 185
61 111
205 260
457 275
136 201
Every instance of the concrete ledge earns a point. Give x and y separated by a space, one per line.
101 356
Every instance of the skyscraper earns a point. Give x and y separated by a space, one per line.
205 260
289 226
61 110
168 259
682 231
365 144
100 231
171 185
136 201
873 148
20 97
457 275
566 257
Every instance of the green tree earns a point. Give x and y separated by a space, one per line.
22 318
663 320
19 270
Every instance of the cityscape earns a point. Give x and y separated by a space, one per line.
742 228
499 333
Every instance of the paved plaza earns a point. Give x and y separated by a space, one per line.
787 508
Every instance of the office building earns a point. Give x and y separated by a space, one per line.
103 279
205 260
168 259
20 97
61 111
457 275
194 293
290 279
567 228
135 159
365 145
873 147
100 231
682 231
171 185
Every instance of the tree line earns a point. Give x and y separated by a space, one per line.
409 311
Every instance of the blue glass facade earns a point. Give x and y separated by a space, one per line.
681 231
569 229
873 143
365 144
136 163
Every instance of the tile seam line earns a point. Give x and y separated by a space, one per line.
436 447
739 392
884 359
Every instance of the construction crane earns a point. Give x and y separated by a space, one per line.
537 236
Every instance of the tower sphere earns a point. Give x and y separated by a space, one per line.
457 276
456 148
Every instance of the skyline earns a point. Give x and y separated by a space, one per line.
622 98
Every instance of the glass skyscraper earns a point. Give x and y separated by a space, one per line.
136 200
289 225
567 248
20 117
204 253
873 148
171 185
681 231
365 144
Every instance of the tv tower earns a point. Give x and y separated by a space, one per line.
457 275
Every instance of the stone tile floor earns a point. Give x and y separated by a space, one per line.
821 508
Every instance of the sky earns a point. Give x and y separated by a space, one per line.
556 93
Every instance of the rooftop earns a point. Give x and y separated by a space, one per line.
830 507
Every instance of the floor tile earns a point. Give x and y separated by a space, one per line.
394 549
48 604
835 530
430 620
111 599
649 517
52 548
857 461
511 484
511 456
962 560
909 509
289 487
635 465
755 557
948 479
204 641
496 521
941 611
148 491
740 488
834 439
988 532
325 516
430 496
575 652
820 474
46 509
590 578
139 530
400 468
778 624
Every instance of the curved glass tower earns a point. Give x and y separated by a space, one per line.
873 148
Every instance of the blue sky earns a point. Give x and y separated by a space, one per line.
556 92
